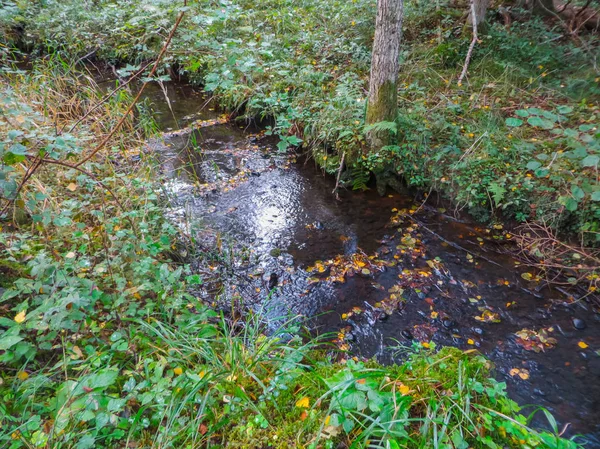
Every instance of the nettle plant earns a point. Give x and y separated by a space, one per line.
566 153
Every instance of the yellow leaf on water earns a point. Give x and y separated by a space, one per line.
303 403
471 342
72 187
178 371
522 373
404 389
365 272
582 344
22 375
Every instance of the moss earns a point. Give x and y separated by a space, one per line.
384 108
9 272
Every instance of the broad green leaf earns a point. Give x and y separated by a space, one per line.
522 112
577 192
533 165
540 122
8 341
564 109
513 122
591 161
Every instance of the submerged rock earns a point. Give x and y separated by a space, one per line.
579 324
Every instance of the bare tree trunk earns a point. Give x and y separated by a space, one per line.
383 94
480 7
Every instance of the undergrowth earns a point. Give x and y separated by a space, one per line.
102 346
517 141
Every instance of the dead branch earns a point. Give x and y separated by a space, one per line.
471 46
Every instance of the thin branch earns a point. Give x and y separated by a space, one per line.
102 144
471 47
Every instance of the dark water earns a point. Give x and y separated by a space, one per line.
273 218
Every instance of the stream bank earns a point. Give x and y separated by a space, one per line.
367 268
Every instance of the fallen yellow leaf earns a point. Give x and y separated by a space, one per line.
522 373
20 317
303 403
582 344
471 342
404 389
178 371
72 187
22 375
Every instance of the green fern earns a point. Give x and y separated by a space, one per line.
382 126
360 178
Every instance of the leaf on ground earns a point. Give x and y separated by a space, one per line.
20 317
303 403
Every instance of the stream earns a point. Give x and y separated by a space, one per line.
365 270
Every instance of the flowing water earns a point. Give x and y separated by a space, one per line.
364 271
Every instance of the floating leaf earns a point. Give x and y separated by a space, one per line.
582 344
522 373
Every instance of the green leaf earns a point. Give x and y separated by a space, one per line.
513 122
533 165
8 341
596 195
569 203
522 112
591 161
577 192
354 401
564 109
498 192
540 122
18 149
382 126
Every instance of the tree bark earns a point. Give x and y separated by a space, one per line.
481 7
383 94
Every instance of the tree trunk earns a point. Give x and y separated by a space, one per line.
383 94
543 7
481 7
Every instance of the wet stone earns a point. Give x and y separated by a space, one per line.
579 324
448 323
478 330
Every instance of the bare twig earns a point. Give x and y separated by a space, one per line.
339 174
102 144
471 46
